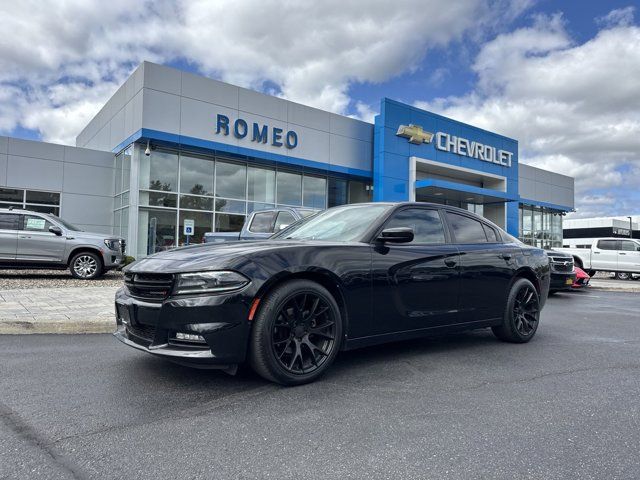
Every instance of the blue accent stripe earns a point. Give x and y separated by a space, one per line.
553 206
460 187
173 139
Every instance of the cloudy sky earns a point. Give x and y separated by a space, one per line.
561 77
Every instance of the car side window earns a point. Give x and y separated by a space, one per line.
465 229
426 224
490 232
262 222
284 218
9 221
628 246
35 224
607 244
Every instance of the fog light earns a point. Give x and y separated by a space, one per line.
189 337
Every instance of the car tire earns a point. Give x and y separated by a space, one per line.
622 276
521 315
86 266
296 333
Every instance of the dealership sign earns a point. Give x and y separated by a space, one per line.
257 132
459 145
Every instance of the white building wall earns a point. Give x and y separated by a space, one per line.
83 177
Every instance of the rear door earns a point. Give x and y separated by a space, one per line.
604 256
487 267
628 256
416 284
9 223
36 243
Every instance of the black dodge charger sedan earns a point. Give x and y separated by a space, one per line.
348 277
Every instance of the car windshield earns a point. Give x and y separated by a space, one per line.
340 224
65 224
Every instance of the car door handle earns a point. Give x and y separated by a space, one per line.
596 253
25 236
506 256
620 253
450 262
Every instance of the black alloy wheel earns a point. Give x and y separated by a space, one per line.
623 276
296 334
526 310
304 333
522 313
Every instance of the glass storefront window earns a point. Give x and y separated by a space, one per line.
196 203
337 192
252 206
196 175
159 171
203 223
124 225
226 222
158 199
540 227
126 169
116 222
289 188
156 231
230 206
231 180
261 185
314 190
118 173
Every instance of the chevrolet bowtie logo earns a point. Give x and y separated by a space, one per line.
415 134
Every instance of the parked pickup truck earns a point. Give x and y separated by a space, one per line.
261 224
618 255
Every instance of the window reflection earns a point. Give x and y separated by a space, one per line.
231 180
289 188
196 175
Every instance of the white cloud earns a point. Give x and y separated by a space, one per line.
618 17
574 108
64 58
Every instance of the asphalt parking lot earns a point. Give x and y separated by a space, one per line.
565 405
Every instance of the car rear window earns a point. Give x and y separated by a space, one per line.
262 222
465 229
9 221
607 244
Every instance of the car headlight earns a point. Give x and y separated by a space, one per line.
208 282
112 244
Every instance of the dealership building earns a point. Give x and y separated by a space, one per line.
171 146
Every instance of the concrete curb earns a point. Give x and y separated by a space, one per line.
28 326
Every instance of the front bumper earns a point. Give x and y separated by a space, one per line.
561 281
112 259
220 319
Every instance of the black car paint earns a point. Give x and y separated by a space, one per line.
380 288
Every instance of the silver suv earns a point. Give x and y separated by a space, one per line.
40 240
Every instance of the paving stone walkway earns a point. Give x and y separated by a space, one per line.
63 310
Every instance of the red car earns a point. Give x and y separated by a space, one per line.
582 279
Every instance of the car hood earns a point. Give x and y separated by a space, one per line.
90 235
213 256
558 254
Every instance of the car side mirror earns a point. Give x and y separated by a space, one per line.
56 230
283 226
396 235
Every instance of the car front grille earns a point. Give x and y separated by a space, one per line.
146 332
149 286
561 264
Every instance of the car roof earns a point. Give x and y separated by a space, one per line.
20 210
